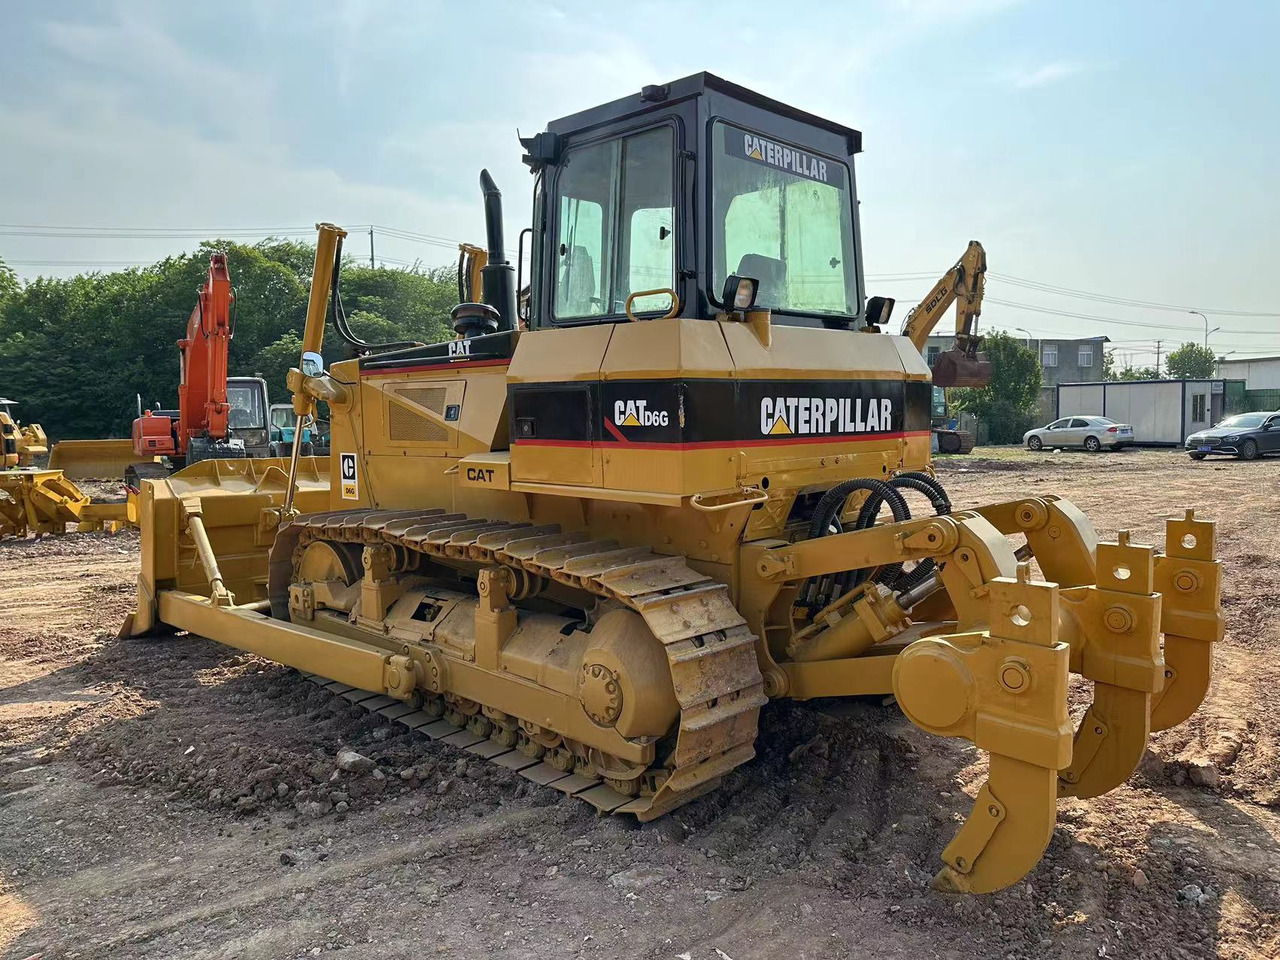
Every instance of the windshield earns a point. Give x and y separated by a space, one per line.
782 216
1244 421
282 416
246 406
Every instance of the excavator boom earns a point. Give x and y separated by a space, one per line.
963 365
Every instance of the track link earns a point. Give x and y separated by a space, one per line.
709 647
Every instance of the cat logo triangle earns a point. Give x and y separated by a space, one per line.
756 155
630 421
779 427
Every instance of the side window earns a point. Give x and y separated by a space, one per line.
1077 423
615 226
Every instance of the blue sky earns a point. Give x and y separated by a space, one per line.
1127 149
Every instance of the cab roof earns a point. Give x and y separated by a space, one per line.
658 96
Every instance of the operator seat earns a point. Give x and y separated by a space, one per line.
771 274
578 280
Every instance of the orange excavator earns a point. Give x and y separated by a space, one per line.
202 426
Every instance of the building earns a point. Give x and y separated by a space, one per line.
1062 360
1160 411
1258 373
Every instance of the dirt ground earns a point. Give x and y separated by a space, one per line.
169 797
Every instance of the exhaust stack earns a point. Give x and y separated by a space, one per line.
498 277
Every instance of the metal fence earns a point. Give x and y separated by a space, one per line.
1260 400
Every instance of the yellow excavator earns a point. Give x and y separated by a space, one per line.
591 547
962 365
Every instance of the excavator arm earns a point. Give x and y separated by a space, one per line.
962 366
202 394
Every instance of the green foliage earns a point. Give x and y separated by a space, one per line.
1109 365
1191 362
77 351
1006 403
8 280
1137 373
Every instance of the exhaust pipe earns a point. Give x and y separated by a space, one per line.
498 277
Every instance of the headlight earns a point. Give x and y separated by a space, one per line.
1230 439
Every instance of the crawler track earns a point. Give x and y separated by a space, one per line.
709 647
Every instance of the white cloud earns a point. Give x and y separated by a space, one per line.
1025 78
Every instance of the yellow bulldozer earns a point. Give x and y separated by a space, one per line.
39 500
589 541
19 445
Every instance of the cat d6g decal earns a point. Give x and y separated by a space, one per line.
591 537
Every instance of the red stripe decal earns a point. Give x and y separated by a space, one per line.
617 434
714 444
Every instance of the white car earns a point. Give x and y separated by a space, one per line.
1091 433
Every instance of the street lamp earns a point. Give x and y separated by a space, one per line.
1207 331
1029 338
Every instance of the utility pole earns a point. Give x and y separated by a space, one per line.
371 263
1158 342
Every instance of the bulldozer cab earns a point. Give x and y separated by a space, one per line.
648 205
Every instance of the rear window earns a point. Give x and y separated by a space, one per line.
782 215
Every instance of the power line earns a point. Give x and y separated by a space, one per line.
1124 323
1123 301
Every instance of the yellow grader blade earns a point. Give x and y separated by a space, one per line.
94 459
44 502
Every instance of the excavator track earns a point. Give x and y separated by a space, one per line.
709 647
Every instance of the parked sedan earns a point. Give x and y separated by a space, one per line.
1246 435
1092 433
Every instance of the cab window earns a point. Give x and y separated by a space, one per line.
783 216
614 226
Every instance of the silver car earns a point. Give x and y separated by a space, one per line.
1091 433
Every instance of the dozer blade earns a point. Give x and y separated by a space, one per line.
1006 691
93 459
955 368
237 503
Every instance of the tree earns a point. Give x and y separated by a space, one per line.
1006 403
1138 373
1191 362
8 280
77 351
1109 365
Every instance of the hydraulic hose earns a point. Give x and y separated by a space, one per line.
825 520
340 316
922 483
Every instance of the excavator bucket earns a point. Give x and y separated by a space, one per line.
94 459
955 368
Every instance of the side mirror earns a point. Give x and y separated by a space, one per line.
312 364
879 310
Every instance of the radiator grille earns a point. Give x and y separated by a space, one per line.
431 398
404 424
